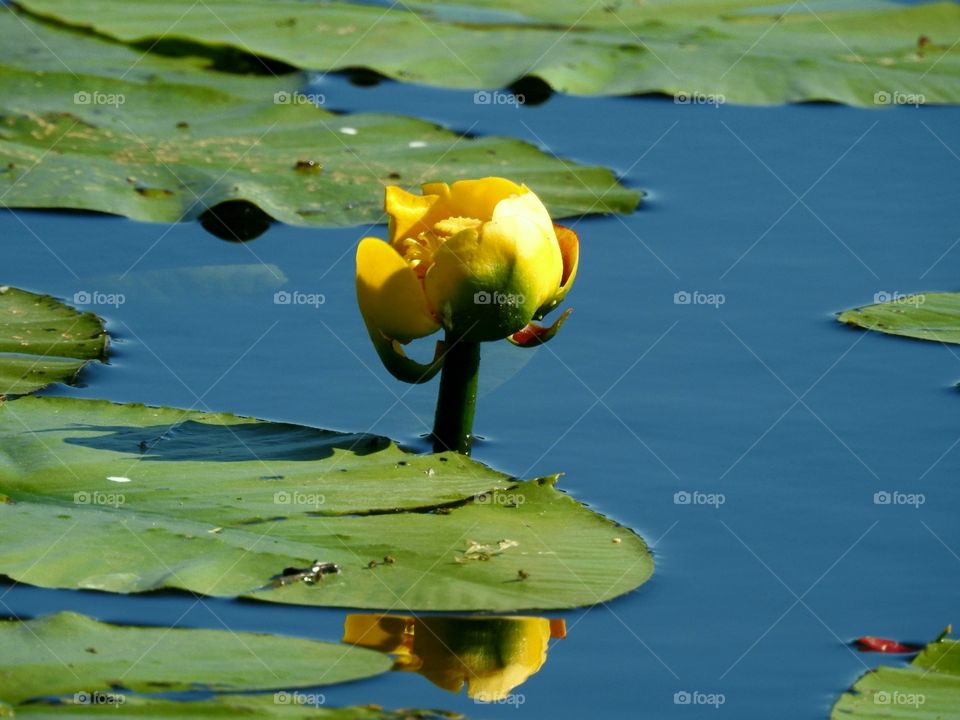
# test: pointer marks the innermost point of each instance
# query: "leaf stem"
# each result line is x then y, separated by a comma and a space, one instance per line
457, 399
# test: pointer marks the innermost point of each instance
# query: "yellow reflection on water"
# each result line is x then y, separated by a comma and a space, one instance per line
490, 655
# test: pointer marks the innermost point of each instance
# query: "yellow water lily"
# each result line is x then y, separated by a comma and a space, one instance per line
491, 656
479, 258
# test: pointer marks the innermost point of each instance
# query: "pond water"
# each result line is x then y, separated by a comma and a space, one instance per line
779, 217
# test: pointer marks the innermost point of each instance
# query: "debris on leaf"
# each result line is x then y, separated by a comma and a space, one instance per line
310, 575
479, 551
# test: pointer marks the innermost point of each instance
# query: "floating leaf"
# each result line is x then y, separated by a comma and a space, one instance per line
68, 653
166, 144
281, 705
925, 316
863, 52
43, 341
927, 689
127, 498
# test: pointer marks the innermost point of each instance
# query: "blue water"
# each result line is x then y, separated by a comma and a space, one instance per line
796, 420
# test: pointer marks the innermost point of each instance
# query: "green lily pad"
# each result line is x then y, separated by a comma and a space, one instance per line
860, 52
927, 689
147, 498
925, 316
283, 705
163, 142
69, 653
43, 341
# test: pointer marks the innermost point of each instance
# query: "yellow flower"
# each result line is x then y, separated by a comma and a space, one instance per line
479, 258
491, 656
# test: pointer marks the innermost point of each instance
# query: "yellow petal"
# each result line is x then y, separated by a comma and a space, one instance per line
412, 214
523, 222
569, 245
406, 212
470, 198
390, 294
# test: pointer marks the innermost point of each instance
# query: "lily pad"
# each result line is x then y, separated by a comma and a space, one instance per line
43, 341
860, 52
927, 689
925, 316
127, 498
163, 143
69, 653
282, 705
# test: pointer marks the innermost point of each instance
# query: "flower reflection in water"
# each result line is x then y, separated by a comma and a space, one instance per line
490, 655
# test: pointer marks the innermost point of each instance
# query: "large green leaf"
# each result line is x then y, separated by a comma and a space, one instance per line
925, 316
927, 689
127, 498
163, 141
764, 51
43, 341
69, 653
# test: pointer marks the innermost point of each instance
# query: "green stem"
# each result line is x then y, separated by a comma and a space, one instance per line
453, 422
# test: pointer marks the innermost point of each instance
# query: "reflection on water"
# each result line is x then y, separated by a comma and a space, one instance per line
491, 655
